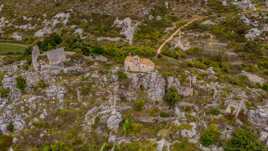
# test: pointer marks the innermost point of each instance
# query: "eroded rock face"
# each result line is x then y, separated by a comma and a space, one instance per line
153, 83
114, 121
128, 29
259, 116
182, 90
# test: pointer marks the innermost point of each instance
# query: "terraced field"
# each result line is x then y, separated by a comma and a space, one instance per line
7, 47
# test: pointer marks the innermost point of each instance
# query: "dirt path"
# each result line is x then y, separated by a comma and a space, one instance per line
178, 31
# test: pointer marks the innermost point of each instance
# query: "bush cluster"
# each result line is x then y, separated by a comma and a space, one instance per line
21, 83
118, 53
50, 42
138, 104
233, 28
210, 136
121, 75
244, 140
174, 53
4, 92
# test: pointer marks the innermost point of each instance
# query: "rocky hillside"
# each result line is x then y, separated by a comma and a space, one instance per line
70, 81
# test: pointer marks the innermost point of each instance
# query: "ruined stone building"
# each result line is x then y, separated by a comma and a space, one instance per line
137, 64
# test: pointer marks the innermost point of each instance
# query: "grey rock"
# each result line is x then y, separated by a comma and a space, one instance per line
259, 116
158, 18
78, 32
9, 82
208, 22
253, 33
151, 17
163, 144
109, 39
73, 70
35, 55
189, 133
96, 58
56, 92
253, 78
17, 36
114, 121
173, 82
33, 79
56, 56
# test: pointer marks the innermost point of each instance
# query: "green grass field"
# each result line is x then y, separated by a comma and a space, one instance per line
6, 48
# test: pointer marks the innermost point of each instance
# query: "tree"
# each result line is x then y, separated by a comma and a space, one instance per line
172, 96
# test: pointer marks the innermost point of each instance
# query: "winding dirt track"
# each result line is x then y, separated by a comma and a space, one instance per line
178, 31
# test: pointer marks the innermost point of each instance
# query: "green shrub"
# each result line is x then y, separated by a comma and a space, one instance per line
197, 64
28, 51
121, 75
217, 6
42, 84
173, 53
184, 146
215, 112
210, 136
4, 92
127, 126
244, 140
171, 96
1, 78
118, 52
46, 148
21, 83
130, 147
142, 145
60, 146
265, 86
233, 28
241, 81
10, 127
151, 31
138, 105
194, 51
197, 26
106, 147
5, 142
50, 42
98, 50
164, 114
